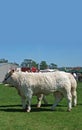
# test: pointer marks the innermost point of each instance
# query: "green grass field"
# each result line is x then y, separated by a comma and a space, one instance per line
13, 118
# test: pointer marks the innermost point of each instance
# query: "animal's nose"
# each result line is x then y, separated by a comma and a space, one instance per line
3, 81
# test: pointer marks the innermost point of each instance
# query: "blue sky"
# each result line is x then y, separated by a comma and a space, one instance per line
49, 30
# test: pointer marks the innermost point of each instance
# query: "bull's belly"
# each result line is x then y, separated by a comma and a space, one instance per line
43, 91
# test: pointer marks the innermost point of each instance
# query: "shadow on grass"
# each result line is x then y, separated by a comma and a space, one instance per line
79, 104
43, 108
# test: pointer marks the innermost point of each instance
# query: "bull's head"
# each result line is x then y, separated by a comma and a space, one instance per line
7, 76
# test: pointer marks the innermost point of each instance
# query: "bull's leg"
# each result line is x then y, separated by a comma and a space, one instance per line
29, 104
23, 100
29, 97
39, 98
74, 97
58, 97
44, 99
69, 100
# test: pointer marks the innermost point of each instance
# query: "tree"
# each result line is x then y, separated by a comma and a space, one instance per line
53, 66
34, 64
43, 65
14, 63
28, 63
3, 61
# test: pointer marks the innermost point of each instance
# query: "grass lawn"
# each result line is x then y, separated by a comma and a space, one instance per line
13, 118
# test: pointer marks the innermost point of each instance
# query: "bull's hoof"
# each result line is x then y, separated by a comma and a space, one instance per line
74, 105
27, 110
68, 110
38, 106
52, 108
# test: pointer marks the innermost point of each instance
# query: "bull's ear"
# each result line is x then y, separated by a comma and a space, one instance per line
12, 71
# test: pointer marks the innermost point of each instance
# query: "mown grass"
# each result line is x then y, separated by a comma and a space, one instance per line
13, 118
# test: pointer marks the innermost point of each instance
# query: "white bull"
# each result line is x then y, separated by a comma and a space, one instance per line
29, 84
58, 95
